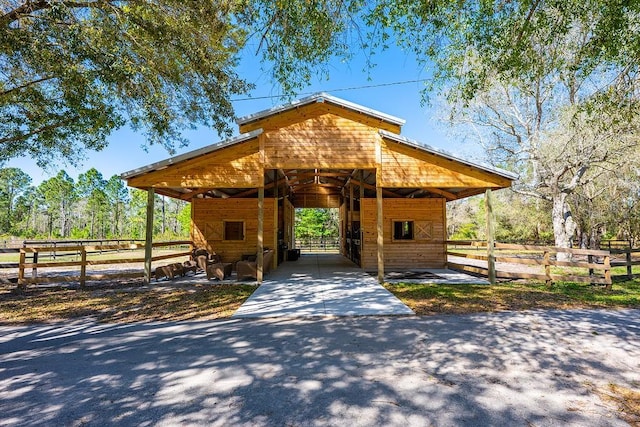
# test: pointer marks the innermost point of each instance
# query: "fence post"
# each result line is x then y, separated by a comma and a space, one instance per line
607, 270
83, 267
34, 271
629, 269
590, 261
23, 257
547, 267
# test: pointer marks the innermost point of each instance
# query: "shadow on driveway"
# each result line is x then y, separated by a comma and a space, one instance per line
528, 368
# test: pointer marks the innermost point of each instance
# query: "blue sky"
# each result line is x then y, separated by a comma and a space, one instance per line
125, 151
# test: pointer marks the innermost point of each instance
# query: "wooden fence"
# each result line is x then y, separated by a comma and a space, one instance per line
486, 261
35, 263
629, 262
318, 245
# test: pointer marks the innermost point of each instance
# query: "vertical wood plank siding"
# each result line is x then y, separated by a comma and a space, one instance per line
208, 225
327, 141
423, 253
407, 167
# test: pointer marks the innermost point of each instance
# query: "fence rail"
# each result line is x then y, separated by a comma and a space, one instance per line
318, 245
596, 262
29, 259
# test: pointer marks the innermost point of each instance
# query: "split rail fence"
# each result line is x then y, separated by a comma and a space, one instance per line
75, 255
537, 262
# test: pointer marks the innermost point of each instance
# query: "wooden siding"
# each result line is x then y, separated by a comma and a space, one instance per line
327, 141
407, 167
238, 166
208, 216
428, 250
312, 111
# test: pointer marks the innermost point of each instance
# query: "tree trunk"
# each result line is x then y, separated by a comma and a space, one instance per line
563, 225
63, 219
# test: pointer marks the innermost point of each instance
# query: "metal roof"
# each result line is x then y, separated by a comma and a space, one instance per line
191, 154
442, 153
320, 97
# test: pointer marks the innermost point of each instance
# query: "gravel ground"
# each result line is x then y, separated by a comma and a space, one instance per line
538, 368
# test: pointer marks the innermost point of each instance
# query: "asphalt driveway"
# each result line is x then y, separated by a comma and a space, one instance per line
528, 368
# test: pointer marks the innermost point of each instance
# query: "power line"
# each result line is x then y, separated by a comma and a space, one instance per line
253, 98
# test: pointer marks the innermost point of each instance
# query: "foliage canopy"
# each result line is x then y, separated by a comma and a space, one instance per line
73, 71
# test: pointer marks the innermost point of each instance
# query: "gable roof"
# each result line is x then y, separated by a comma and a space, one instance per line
191, 154
228, 168
445, 154
324, 98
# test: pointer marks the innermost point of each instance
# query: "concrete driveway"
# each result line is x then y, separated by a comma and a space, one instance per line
321, 285
537, 368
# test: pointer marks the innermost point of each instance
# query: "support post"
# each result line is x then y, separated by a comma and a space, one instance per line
629, 265
148, 238
351, 207
276, 223
260, 249
380, 233
491, 261
361, 236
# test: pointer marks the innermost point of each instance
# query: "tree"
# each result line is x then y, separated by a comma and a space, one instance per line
59, 195
316, 223
551, 87
73, 71
117, 197
13, 183
91, 188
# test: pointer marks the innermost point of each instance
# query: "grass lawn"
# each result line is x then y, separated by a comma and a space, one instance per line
122, 305
131, 304
426, 299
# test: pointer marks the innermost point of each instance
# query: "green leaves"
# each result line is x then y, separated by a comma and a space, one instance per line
72, 74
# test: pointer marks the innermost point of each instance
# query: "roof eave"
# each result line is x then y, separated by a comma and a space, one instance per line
432, 150
190, 155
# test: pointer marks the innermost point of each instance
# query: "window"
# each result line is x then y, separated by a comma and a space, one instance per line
403, 230
233, 230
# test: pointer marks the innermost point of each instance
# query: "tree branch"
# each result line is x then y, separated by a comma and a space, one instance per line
34, 6
36, 131
17, 88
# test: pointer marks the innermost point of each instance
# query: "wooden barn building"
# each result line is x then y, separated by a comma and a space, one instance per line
321, 152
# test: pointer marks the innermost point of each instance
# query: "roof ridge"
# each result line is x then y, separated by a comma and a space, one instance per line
319, 97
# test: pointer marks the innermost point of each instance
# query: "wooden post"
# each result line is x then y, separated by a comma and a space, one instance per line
34, 258
361, 236
491, 261
260, 249
546, 260
148, 241
351, 207
276, 223
380, 233
629, 266
83, 267
607, 270
23, 258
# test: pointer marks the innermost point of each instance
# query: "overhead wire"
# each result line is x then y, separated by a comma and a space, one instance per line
253, 98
